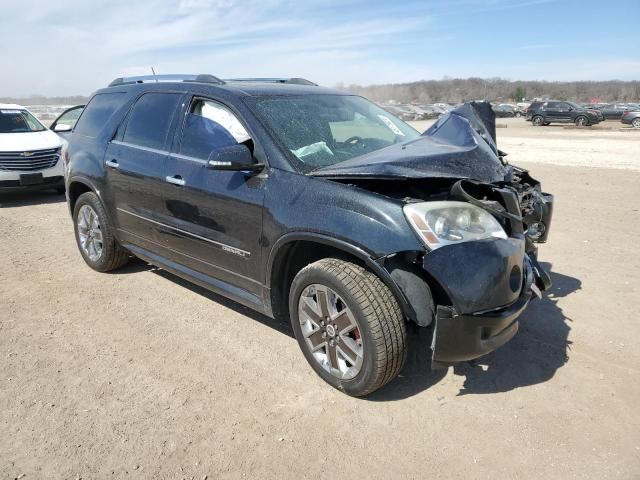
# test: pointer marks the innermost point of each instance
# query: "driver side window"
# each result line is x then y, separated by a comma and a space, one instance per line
208, 127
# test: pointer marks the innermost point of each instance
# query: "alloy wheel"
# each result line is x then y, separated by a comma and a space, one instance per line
331, 331
89, 233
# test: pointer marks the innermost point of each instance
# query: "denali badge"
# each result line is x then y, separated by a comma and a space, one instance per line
235, 251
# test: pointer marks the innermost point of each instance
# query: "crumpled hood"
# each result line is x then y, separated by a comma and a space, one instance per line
461, 144
25, 141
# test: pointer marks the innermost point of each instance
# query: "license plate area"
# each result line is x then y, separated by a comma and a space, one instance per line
31, 179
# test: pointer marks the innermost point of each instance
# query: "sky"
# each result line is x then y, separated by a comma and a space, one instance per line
69, 47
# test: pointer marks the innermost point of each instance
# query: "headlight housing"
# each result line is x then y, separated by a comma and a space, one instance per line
448, 222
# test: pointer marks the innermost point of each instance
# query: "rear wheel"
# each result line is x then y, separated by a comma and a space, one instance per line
348, 324
94, 235
636, 123
582, 121
537, 120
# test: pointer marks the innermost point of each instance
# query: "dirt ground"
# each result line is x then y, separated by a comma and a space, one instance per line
138, 374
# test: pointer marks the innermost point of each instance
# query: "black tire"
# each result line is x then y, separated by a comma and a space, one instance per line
582, 121
377, 313
635, 123
113, 255
537, 120
518, 114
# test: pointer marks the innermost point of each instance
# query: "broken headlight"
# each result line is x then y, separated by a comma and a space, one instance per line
445, 223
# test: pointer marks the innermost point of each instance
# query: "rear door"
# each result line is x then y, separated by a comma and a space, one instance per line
135, 163
213, 217
566, 112
552, 112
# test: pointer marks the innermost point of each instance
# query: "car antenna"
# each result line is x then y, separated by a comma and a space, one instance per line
154, 74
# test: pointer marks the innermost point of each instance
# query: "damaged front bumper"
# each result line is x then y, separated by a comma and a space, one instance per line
462, 337
489, 284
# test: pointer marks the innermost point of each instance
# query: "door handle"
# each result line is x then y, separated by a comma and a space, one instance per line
175, 180
112, 163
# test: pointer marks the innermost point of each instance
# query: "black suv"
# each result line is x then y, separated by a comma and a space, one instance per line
553, 111
315, 205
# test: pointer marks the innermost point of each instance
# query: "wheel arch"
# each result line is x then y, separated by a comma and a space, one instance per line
294, 251
76, 187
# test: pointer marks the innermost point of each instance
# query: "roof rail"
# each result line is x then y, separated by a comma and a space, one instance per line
295, 81
201, 78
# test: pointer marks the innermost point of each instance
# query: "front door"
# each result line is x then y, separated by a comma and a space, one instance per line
214, 216
134, 165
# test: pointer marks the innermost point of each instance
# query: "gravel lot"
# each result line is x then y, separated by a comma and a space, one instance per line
139, 374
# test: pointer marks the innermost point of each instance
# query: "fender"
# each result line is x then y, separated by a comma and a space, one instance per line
375, 265
91, 186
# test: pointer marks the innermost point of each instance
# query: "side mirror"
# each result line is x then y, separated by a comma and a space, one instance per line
62, 127
235, 158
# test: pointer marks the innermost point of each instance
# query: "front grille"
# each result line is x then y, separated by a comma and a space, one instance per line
28, 161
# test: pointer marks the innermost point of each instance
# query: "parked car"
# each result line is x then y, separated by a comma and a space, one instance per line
402, 112
614, 111
315, 205
29, 152
553, 111
504, 110
428, 112
631, 118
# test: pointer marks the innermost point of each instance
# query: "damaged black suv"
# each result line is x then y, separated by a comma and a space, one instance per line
315, 205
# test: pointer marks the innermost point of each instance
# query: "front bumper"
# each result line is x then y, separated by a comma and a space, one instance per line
489, 285
458, 338
51, 177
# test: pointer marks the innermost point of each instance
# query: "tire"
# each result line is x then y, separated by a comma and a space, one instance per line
582, 121
518, 115
112, 255
635, 123
379, 334
537, 120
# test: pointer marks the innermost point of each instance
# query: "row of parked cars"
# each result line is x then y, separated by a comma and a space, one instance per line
538, 112
541, 113
411, 112
302, 203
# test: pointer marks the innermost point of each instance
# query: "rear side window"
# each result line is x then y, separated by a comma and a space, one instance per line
97, 113
150, 118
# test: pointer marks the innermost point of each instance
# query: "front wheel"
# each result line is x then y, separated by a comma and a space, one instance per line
348, 324
94, 235
582, 122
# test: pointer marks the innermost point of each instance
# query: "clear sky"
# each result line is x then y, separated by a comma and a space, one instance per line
65, 47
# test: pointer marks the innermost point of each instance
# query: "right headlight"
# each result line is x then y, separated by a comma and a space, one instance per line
448, 222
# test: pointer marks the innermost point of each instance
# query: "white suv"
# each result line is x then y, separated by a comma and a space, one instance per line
30, 153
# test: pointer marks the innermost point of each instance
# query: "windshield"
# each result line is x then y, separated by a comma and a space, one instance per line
322, 130
18, 121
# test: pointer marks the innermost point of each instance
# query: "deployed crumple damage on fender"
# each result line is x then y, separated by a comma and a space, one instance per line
461, 144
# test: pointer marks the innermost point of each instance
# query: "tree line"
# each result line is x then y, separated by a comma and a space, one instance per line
458, 90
